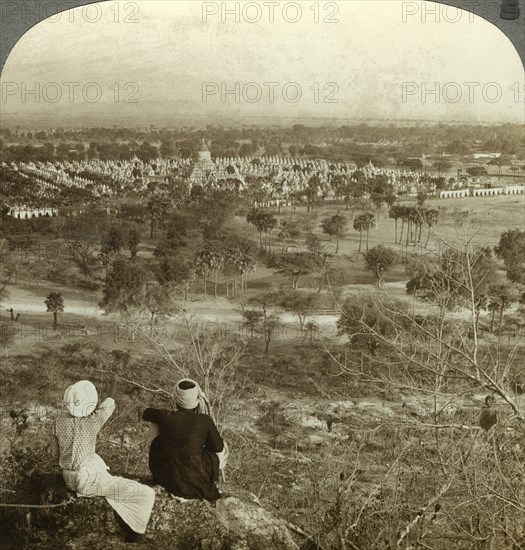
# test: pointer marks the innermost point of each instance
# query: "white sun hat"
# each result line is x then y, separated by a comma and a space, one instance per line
81, 398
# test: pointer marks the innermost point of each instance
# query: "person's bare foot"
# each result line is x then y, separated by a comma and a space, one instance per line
179, 499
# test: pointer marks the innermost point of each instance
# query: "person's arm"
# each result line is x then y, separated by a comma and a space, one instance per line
104, 411
214, 442
107, 407
153, 415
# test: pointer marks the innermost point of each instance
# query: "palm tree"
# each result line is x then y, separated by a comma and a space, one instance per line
370, 221
412, 217
242, 264
395, 213
216, 263
359, 225
245, 264
201, 267
364, 222
55, 304
403, 214
335, 225
430, 218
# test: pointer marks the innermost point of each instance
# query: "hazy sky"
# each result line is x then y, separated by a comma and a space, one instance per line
160, 54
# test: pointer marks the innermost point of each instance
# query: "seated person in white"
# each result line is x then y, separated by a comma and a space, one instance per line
85, 472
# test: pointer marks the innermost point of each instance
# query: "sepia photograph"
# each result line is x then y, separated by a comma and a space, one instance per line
262, 276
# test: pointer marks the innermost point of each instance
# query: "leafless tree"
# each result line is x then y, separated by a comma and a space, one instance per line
448, 480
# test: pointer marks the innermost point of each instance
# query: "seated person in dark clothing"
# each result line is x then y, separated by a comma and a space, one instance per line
182, 458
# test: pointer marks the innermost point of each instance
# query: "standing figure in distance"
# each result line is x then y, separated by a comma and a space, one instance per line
83, 469
183, 457
488, 417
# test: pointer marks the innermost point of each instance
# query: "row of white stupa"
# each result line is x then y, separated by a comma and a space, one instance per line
280, 169
124, 169
164, 166
293, 180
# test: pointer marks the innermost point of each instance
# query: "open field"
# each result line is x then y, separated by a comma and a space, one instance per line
488, 218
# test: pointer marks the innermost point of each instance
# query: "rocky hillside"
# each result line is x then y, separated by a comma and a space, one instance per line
236, 522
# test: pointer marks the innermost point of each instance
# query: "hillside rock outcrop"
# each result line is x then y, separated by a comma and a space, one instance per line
235, 522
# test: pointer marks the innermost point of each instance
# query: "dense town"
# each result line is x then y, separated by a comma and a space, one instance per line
37, 187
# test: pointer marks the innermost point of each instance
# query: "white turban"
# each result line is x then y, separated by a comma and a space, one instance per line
189, 395
81, 398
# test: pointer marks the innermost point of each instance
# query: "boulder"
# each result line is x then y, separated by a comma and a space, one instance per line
235, 522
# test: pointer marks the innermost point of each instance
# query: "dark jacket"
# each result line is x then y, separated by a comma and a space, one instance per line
182, 457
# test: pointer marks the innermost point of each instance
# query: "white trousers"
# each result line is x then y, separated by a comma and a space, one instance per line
131, 500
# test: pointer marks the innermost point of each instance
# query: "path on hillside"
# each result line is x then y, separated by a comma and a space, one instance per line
23, 300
